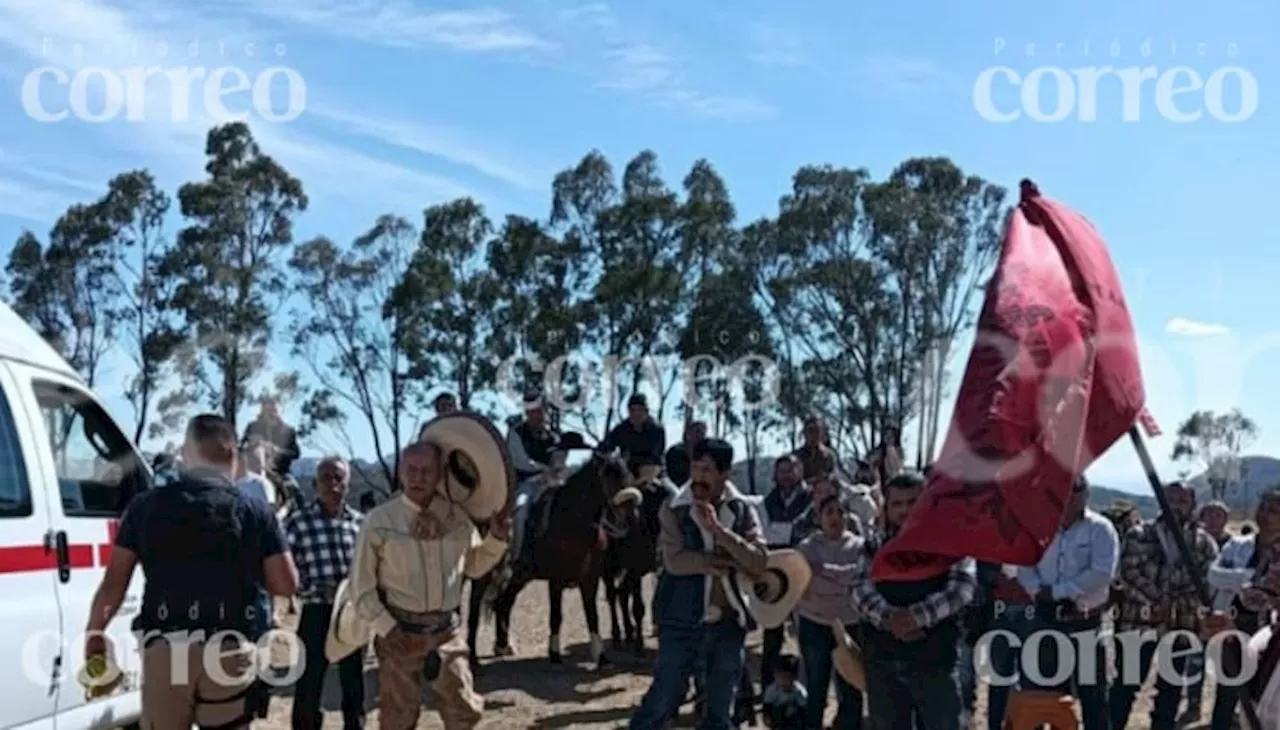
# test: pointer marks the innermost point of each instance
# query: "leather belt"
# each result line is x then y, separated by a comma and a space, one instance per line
428, 622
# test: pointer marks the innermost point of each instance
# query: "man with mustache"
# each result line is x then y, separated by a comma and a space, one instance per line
912, 632
1245, 580
708, 530
1160, 595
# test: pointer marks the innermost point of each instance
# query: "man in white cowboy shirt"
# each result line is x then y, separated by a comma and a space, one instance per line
407, 582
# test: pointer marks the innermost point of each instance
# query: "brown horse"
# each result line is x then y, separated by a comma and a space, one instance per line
565, 545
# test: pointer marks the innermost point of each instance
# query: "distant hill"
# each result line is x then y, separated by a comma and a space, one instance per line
1259, 474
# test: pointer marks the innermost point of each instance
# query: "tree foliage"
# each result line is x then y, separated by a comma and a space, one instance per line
1215, 441
846, 301
227, 265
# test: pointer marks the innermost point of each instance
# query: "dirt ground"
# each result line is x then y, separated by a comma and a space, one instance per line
527, 692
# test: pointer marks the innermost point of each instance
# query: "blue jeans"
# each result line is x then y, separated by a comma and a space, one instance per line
897, 690
681, 651
816, 644
526, 491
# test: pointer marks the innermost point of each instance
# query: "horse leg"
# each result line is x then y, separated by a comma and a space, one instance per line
555, 592
637, 614
624, 599
612, 597
502, 608
587, 590
475, 604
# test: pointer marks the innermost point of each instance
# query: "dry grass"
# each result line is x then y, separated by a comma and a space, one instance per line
527, 692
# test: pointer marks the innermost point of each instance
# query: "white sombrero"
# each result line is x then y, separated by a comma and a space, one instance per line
628, 495
649, 474
771, 597
478, 471
847, 658
347, 633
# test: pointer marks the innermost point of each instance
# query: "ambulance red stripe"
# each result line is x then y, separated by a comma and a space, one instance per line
37, 558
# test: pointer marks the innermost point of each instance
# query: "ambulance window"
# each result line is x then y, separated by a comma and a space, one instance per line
98, 470
15, 490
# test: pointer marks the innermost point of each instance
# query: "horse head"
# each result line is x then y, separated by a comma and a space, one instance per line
610, 471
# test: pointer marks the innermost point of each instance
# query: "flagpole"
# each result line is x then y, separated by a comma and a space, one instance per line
1232, 660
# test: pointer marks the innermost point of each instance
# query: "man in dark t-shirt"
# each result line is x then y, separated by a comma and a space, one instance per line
207, 551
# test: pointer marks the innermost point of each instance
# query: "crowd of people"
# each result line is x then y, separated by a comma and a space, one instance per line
214, 551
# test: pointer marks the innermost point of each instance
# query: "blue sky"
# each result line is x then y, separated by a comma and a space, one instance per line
410, 104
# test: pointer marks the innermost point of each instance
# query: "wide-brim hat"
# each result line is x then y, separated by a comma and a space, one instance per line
628, 495
648, 474
347, 634
478, 475
846, 657
773, 595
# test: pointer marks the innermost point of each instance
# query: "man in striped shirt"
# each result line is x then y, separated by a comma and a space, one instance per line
322, 537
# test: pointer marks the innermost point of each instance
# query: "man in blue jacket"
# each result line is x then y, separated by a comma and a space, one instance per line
708, 530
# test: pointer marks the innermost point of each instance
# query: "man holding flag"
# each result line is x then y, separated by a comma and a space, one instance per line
912, 633
1052, 382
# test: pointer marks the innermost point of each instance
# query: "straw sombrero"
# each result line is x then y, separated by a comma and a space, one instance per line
347, 633
478, 471
847, 658
774, 595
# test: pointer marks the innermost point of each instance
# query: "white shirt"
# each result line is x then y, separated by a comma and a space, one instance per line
1080, 563
257, 486
1230, 572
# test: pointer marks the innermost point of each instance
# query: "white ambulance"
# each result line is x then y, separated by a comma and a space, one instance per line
66, 473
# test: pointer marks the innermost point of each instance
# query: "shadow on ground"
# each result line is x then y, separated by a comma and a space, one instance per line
532, 676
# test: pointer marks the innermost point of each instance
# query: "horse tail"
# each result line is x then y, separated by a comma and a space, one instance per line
496, 582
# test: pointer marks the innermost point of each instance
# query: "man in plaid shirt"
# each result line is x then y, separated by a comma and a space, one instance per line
1160, 596
912, 632
322, 537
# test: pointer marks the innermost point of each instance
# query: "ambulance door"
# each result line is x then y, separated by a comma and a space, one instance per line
98, 472
30, 632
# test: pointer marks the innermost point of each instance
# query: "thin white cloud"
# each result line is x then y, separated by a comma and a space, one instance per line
903, 74
771, 45
620, 60
435, 141
50, 32
22, 200
1182, 327
399, 23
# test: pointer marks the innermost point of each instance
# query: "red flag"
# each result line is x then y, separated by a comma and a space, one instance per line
1053, 381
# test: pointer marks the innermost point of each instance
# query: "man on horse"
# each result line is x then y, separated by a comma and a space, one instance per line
533, 445
639, 437
281, 438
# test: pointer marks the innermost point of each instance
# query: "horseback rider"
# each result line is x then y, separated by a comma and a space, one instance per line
533, 446
640, 438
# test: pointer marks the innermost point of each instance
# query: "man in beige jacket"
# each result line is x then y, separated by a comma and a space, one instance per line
407, 583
